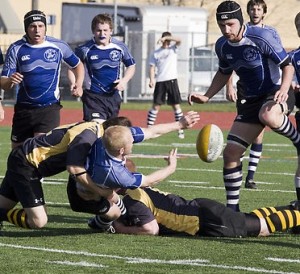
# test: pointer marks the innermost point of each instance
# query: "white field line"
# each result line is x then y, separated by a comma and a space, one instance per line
81, 263
134, 260
283, 260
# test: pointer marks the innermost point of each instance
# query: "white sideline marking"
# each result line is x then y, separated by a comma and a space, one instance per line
76, 264
197, 262
187, 182
283, 260
222, 188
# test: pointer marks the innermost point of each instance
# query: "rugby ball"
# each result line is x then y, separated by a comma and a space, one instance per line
209, 143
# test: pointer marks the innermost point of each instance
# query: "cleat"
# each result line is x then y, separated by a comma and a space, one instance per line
92, 223
250, 184
180, 134
295, 205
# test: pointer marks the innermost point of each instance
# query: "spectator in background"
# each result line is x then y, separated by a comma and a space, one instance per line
34, 63
164, 60
265, 98
103, 56
257, 10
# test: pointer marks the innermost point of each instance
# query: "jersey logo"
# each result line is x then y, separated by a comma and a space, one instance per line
250, 54
94, 57
114, 55
229, 56
25, 57
50, 55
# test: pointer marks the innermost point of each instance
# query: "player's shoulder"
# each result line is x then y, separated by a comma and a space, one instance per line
255, 32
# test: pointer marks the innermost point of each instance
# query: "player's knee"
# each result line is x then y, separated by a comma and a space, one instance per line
38, 222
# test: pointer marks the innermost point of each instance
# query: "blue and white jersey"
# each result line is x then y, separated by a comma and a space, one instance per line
103, 64
107, 171
255, 59
40, 65
295, 57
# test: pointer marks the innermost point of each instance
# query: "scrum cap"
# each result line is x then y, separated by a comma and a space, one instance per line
229, 10
34, 16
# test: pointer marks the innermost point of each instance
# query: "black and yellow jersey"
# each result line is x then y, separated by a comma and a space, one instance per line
66, 145
173, 213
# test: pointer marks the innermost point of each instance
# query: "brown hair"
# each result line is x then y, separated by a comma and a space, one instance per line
102, 19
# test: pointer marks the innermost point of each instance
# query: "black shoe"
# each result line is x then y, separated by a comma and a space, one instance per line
250, 184
92, 223
295, 205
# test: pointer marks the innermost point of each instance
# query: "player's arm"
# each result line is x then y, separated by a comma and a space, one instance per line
287, 76
151, 76
76, 76
161, 174
8, 83
187, 121
219, 81
1, 111
231, 94
150, 228
81, 176
129, 72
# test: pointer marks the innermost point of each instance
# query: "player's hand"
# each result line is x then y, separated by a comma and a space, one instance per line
189, 120
231, 95
76, 90
281, 96
197, 98
16, 78
172, 158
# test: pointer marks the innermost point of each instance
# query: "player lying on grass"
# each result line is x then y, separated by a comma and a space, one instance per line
65, 147
153, 212
106, 168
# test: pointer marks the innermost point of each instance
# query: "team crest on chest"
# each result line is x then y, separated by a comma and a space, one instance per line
50, 55
114, 55
250, 54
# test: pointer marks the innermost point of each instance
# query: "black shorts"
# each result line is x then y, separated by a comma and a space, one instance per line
22, 181
167, 90
217, 220
100, 106
27, 121
248, 108
88, 206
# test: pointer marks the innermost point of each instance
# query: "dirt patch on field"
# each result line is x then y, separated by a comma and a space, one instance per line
139, 117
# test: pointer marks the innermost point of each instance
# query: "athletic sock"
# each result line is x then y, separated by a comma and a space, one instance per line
267, 211
178, 114
233, 180
283, 220
17, 217
288, 130
254, 157
102, 222
151, 118
122, 207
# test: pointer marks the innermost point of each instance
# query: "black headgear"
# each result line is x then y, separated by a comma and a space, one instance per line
229, 10
34, 16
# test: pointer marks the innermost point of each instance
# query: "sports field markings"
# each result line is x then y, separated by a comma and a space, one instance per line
135, 260
283, 260
84, 264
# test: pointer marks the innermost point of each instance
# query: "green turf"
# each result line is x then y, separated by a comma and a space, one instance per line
67, 245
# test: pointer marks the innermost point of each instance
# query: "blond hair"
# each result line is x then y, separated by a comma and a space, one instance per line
115, 138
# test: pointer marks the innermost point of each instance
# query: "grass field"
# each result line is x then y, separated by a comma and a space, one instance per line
67, 245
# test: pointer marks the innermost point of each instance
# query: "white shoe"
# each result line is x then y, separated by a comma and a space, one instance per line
180, 134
